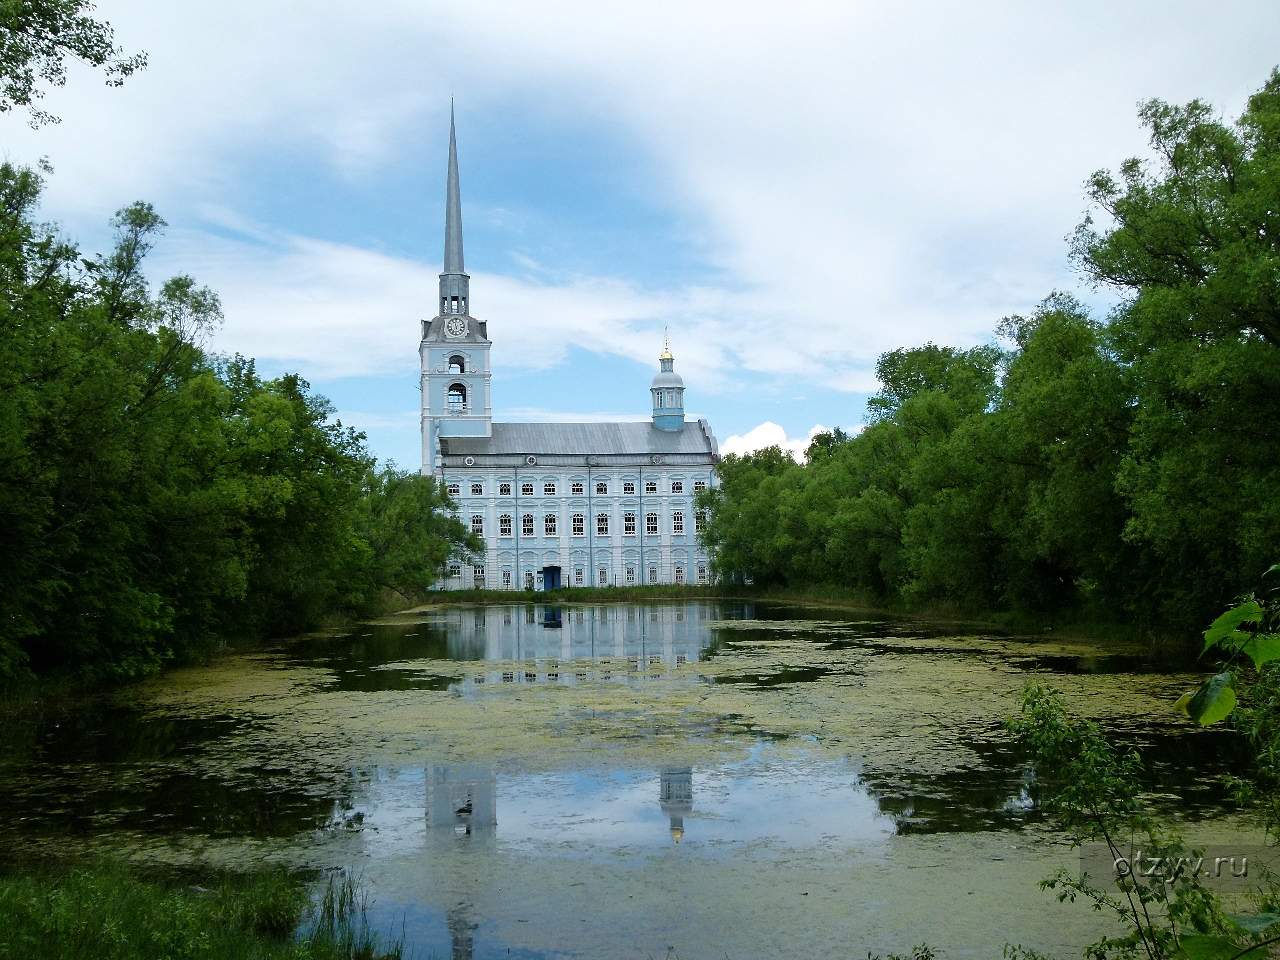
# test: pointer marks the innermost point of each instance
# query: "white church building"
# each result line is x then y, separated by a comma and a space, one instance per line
557, 504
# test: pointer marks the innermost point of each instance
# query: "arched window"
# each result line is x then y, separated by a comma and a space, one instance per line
457, 364
457, 399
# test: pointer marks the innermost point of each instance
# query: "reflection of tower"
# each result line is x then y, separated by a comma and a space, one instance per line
462, 797
675, 796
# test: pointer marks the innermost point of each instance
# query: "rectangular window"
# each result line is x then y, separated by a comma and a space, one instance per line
548, 489
526, 489
603, 576
602, 488
455, 569
477, 524
679, 574
651, 486
677, 522
579, 525
702, 573
477, 489
504, 489
651, 524
677, 486
699, 520
549, 525
629, 524
506, 579
477, 577
631, 575
526, 525
504, 525
602, 524
653, 574
699, 486
629, 488
576, 488
578, 575
454, 489
528, 585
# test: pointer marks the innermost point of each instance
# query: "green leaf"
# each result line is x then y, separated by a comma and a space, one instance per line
1214, 701
1262, 648
1204, 947
1254, 922
1183, 701
1226, 627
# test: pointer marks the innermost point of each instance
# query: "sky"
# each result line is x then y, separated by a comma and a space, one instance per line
789, 190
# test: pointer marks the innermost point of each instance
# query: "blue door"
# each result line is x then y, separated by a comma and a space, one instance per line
550, 578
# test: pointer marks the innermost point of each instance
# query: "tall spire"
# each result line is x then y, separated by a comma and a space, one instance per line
454, 284
453, 208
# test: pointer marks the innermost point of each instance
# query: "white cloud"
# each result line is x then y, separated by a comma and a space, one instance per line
862, 176
770, 434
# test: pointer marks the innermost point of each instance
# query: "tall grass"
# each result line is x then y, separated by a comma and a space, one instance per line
112, 911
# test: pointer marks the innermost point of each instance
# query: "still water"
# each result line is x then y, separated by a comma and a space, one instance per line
693, 779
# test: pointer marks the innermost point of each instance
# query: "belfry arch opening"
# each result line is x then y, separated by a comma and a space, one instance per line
457, 364
457, 398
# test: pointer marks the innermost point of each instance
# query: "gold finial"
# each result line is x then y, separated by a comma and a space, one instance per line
666, 345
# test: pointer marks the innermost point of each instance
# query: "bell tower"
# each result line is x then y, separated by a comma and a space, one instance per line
454, 353
667, 390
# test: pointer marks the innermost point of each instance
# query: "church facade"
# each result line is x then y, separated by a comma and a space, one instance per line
557, 504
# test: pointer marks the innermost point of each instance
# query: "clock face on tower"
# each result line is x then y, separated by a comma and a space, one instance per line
455, 327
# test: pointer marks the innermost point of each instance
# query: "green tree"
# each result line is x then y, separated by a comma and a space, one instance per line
38, 37
1191, 240
154, 499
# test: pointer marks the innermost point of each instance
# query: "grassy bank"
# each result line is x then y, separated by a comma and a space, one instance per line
113, 911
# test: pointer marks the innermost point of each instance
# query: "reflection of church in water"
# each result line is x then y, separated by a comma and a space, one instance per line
462, 800
571, 644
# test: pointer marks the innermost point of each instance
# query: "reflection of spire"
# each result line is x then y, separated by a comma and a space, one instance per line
675, 796
462, 942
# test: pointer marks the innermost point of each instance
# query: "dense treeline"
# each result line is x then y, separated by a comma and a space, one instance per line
155, 497
1121, 469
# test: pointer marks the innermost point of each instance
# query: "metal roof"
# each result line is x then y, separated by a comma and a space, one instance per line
584, 439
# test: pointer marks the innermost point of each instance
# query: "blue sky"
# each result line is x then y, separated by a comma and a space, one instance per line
791, 191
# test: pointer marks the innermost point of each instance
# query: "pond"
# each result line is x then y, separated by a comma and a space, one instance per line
701, 779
